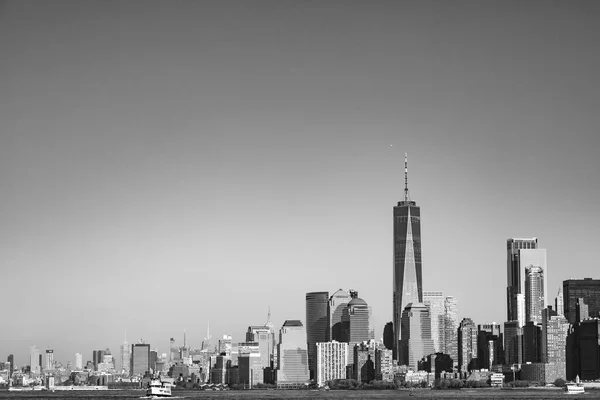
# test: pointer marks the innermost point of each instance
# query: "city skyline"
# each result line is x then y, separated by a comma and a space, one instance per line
129, 149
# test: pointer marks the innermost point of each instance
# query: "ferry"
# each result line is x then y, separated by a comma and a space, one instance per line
157, 388
574, 387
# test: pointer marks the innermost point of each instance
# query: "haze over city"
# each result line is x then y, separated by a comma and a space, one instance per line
203, 161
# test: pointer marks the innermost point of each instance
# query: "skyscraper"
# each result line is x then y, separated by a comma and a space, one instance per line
49, 364
357, 319
338, 303
534, 294
450, 328
125, 358
407, 279
78, 361
489, 345
292, 354
588, 289
435, 302
317, 325
416, 340
467, 343
520, 253
513, 343
34, 360
140, 359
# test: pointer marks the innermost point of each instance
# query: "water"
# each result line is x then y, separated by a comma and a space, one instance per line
310, 394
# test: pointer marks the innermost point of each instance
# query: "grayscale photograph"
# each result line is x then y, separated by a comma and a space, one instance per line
298, 199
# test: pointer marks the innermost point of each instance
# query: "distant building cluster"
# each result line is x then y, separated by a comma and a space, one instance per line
539, 341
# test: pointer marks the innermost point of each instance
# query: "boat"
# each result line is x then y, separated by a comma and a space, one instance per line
574, 387
157, 388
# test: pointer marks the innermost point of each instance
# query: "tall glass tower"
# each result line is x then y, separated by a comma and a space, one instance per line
408, 279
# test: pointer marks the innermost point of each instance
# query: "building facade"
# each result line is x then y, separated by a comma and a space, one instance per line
338, 306
521, 252
140, 359
292, 355
435, 302
467, 344
317, 325
407, 277
332, 359
451, 328
416, 341
534, 294
587, 289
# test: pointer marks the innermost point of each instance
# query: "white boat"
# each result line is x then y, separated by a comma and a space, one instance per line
159, 389
574, 387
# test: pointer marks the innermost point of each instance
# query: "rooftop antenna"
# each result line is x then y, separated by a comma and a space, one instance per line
406, 197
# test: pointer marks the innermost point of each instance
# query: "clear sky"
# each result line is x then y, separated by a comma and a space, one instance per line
167, 163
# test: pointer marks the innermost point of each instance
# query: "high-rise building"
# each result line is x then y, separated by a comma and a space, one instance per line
522, 253
78, 361
173, 351
11, 360
357, 319
125, 358
317, 325
534, 294
265, 337
467, 343
34, 360
388, 335
582, 310
532, 342
407, 278
450, 328
332, 359
490, 349
225, 345
140, 359
513, 343
249, 363
437, 311
292, 355
583, 350
588, 289
49, 364
559, 304
555, 329
416, 341
338, 306
363, 369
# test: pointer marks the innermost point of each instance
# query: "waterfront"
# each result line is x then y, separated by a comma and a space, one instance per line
309, 394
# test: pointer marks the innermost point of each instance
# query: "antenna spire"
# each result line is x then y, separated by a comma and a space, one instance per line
406, 197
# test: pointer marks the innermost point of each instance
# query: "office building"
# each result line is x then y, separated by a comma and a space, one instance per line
388, 335
555, 329
125, 358
49, 364
416, 341
11, 360
338, 306
357, 319
332, 359
583, 350
35, 363
317, 325
534, 294
249, 364
78, 361
173, 351
490, 349
522, 253
435, 301
225, 344
265, 337
467, 344
407, 277
513, 343
140, 359
582, 310
587, 289
532, 342
450, 328
292, 355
